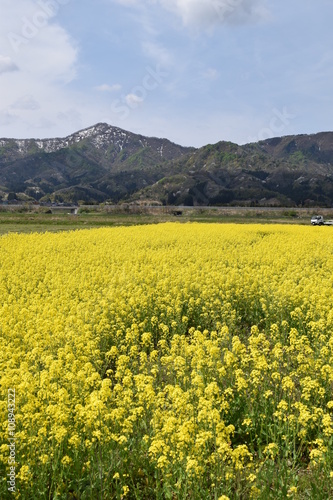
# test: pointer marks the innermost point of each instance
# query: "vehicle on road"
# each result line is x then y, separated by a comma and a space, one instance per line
318, 220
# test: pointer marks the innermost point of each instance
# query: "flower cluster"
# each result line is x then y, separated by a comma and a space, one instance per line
168, 361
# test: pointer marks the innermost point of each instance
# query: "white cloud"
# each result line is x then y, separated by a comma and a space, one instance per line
208, 13
108, 88
133, 100
44, 57
7, 65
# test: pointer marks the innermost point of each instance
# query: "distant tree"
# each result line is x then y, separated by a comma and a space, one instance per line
188, 200
171, 199
12, 196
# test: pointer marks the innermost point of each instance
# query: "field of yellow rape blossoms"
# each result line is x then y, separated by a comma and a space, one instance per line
174, 361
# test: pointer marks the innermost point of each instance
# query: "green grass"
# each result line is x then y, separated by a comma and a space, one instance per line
27, 223
18, 221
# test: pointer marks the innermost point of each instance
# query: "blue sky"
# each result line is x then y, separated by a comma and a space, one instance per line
194, 71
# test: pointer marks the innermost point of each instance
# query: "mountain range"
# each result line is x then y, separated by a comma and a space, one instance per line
107, 164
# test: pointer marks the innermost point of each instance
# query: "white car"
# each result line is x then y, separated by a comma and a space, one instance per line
317, 220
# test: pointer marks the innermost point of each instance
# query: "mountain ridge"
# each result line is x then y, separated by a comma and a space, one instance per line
106, 163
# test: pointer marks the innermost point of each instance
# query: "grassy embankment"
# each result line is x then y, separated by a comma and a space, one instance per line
37, 219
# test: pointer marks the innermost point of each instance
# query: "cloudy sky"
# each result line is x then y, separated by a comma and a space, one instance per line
194, 71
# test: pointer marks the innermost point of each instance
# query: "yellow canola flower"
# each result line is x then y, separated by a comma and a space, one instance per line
292, 491
175, 348
66, 460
